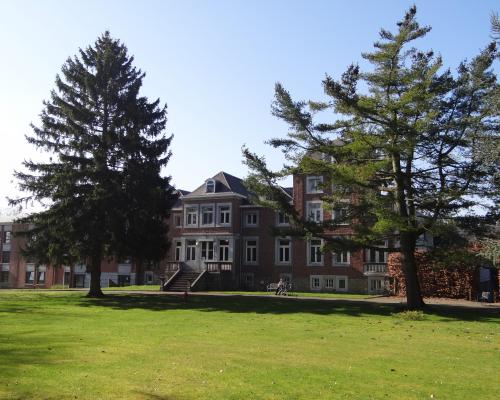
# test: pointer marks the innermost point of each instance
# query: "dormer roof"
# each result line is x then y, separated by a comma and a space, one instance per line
224, 184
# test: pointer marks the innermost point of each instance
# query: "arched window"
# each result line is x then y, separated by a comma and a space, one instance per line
210, 186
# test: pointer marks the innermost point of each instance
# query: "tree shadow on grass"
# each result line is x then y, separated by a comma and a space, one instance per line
279, 306
28, 348
154, 396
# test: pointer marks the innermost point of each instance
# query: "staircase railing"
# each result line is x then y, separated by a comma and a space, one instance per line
195, 282
172, 266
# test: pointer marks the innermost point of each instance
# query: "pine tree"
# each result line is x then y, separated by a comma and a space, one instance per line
406, 146
150, 198
102, 187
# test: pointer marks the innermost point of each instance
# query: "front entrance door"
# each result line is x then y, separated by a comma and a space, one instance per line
191, 254
376, 285
207, 252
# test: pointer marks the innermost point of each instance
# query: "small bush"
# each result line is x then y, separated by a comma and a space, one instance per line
410, 315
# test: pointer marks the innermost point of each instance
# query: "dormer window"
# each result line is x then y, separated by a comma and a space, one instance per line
210, 186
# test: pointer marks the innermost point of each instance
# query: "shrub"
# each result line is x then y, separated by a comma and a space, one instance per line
410, 315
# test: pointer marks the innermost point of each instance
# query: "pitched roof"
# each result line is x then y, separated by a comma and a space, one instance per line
288, 190
182, 193
224, 183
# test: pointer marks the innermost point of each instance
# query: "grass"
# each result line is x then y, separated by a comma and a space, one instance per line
62, 345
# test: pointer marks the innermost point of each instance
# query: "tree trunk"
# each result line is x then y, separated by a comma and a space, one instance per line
95, 278
414, 299
139, 272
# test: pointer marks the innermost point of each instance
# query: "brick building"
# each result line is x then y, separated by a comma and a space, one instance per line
221, 240
15, 270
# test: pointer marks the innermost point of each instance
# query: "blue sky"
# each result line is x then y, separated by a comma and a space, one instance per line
214, 63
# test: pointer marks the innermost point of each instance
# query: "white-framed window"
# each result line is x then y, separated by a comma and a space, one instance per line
190, 250
207, 215
342, 257
223, 250
341, 283
282, 219
30, 274
313, 184
191, 219
377, 285
178, 250
376, 256
314, 211
210, 186
329, 282
283, 250
339, 216
41, 274
207, 250
315, 256
224, 214
251, 218
7, 237
251, 250
315, 282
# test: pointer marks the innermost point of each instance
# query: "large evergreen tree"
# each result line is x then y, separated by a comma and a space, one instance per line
102, 188
405, 145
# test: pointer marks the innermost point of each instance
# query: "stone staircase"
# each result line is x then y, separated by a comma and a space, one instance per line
182, 281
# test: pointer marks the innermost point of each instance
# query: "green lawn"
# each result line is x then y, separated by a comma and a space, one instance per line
61, 345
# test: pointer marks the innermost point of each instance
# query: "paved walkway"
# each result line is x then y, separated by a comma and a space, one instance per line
376, 299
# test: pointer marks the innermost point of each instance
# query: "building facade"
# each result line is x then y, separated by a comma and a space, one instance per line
217, 226
220, 239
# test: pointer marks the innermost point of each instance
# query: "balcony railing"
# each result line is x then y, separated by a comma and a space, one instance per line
375, 268
172, 266
218, 266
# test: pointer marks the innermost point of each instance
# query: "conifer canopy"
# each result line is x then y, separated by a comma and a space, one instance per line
403, 150
103, 188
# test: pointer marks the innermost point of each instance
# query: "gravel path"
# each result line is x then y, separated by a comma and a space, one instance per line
376, 299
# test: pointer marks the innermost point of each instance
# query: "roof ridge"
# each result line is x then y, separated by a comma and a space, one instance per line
225, 179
